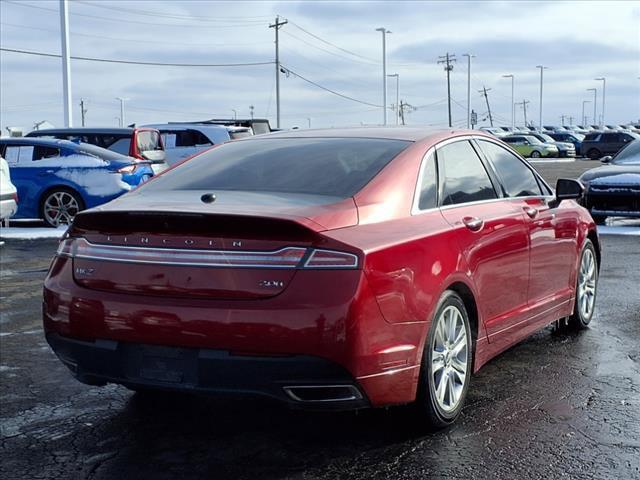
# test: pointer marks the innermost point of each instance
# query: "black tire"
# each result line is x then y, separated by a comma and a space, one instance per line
427, 404
535, 154
599, 219
594, 154
581, 318
67, 216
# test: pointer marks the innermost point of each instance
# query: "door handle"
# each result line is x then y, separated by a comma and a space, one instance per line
532, 212
473, 223
46, 172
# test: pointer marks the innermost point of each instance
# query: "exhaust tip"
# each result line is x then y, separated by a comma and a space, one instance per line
323, 393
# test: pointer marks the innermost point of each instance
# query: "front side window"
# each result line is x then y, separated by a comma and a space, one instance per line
337, 167
518, 180
464, 175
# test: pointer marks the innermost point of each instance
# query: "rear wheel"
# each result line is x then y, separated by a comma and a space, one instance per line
586, 286
594, 154
60, 206
535, 154
446, 363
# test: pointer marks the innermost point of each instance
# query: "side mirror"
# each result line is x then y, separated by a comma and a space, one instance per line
154, 156
567, 189
606, 159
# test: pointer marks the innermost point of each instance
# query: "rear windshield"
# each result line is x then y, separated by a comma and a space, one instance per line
102, 153
337, 167
148, 140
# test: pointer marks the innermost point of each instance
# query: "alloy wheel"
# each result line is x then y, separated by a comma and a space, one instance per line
60, 208
587, 284
449, 365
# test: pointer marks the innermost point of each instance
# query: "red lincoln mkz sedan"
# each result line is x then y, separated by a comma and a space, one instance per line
332, 268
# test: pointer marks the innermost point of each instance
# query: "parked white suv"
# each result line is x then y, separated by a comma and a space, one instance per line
8, 193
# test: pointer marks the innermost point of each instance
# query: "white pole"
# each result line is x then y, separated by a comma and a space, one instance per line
384, 32
513, 105
397, 99
542, 69
122, 120
66, 63
604, 86
469, 57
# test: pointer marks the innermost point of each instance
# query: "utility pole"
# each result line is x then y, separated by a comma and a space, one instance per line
524, 106
384, 32
397, 109
486, 97
604, 86
562, 120
595, 101
83, 110
447, 60
404, 106
513, 105
66, 63
251, 108
542, 69
570, 120
584, 118
277, 26
122, 100
469, 57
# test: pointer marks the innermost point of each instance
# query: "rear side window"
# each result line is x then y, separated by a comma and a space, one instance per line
428, 184
518, 180
592, 137
611, 137
42, 153
465, 178
337, 167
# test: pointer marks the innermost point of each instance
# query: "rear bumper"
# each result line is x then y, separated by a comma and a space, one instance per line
300, 381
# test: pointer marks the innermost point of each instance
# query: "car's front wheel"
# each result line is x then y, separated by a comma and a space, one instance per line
446, 363
60, 206
535, 154
586, 286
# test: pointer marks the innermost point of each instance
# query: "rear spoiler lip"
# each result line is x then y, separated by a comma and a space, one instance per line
303, 221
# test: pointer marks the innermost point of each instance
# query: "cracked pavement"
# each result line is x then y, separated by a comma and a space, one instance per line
557, 405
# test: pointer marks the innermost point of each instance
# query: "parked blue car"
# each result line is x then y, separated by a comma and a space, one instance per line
57, 178
569, 137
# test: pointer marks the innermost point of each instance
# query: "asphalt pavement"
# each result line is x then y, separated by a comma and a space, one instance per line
558, 405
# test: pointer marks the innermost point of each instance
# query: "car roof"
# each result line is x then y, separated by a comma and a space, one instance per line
46, 142
185, 126
81, 130
413, 133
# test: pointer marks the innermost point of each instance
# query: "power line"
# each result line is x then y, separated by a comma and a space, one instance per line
136, 22
332, 44
325, 50
132, 40
131, 62
347, 97
147, 13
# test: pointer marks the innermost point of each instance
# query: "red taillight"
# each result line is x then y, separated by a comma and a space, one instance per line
15, 197
331, 259
288, 257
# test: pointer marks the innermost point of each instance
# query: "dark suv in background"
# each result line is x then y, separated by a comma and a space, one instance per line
598, 144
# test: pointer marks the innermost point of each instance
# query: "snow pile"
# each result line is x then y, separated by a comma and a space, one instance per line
20, 233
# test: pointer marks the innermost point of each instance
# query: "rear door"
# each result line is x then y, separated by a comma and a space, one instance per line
491, 232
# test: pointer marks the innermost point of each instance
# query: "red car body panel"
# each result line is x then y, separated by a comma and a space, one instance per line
372, 320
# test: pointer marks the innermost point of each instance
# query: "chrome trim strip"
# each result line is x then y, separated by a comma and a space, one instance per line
354, 265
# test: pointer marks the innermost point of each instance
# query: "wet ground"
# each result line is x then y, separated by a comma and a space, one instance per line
558, 405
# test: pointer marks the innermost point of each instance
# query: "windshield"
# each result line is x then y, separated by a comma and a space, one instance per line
545, 138
337, 167
629, 155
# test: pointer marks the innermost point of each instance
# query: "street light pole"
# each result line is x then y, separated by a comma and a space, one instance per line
397, 109
122, 100
513, 105
469, 57
384, 32
595, 102
542, 69
66, 63
604, 86
584, 119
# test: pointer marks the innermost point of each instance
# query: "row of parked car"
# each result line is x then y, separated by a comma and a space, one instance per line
557, 141
59, 172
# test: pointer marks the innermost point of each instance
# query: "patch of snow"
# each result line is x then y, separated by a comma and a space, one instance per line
17, 233
96, 182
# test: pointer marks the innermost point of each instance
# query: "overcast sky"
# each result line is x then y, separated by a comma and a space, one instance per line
333, 44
